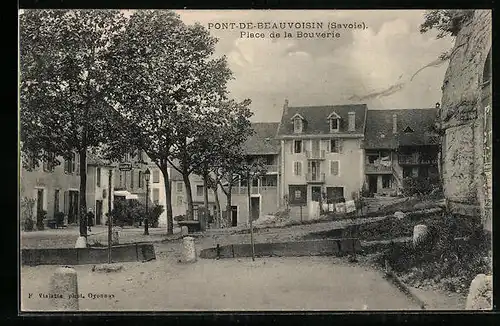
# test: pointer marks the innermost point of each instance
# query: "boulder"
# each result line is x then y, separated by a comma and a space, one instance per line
81, 242
399, 215
420, 235
480, 293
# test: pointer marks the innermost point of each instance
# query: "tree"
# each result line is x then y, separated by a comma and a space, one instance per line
166, 85
447, 22
220, 149
64, 70
251, 168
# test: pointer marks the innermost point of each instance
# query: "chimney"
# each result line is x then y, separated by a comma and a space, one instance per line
352, 121
394, 124
438, 105
285, 107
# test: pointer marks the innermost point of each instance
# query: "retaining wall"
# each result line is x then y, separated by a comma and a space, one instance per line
323, 247
80, 256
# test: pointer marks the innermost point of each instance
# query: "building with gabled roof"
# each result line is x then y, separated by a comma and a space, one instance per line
321, 154
399, 143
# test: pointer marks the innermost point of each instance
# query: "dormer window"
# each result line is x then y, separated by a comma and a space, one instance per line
408, 130
334, 122
334, 125
298, 123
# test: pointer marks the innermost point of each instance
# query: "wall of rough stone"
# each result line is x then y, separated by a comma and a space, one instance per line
462, 117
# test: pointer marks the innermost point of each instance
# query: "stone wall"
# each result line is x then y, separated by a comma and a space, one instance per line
462, 117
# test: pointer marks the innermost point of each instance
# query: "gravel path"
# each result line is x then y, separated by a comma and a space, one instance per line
306, 283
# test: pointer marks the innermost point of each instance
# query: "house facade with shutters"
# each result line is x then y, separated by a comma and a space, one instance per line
399, 143
321, 153
56, 188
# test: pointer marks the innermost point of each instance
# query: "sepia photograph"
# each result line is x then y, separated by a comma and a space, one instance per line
254, 160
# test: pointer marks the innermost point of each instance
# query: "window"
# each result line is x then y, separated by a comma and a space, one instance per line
156, 196
98, 177
372, 158
387, 181
48, 164
140, 179
334, 168
125, 173
243, 182
131, 179
297, 194
56, 201
334, 125
407, 172
121, 178
334, 145
179, 200
297, 125
297, 146
255, 182
179, 187
156, 176
297, 168
199, 190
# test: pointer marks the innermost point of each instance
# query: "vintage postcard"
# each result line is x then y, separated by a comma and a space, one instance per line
255, 160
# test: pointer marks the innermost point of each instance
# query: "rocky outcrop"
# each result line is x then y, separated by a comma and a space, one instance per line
466, 97
480, 293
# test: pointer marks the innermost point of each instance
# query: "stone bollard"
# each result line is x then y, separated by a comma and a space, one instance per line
64, 289
480, 293
420, 233
81, 242
184, 230
188, 250
115, 238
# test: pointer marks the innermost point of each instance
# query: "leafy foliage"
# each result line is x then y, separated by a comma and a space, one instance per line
447, 22
130, 212
64, 79
422, 186
27, 207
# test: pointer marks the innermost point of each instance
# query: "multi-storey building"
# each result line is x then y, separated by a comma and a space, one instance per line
399, 144
321, 153
56, 188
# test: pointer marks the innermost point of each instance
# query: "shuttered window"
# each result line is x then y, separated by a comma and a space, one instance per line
156, 176
156, 196
297, 168
334, 168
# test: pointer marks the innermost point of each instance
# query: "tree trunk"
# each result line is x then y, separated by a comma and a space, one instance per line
205, 193
228, 205
168, 200
217, 207
83, 192
189, 197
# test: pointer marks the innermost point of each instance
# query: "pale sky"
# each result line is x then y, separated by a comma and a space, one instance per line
329, 71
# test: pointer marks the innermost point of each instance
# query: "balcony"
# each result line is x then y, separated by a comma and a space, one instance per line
271, 169
253, 191
315, 155
415, 160
315, 177
372, 168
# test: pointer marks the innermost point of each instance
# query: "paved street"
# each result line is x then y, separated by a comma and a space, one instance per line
305, 283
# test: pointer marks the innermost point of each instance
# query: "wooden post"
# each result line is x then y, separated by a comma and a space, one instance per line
300, 212
110, 219
250, 217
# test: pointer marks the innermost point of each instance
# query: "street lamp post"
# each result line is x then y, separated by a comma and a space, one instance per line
147, 175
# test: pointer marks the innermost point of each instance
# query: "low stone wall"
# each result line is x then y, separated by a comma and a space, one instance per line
80, 256
324, 247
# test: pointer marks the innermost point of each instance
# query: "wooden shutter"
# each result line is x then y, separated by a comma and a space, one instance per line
309, 167
66, 202
302, 146
340, 145
334, 167
292, 144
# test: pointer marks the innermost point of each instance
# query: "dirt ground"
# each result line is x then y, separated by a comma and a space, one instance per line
306, 283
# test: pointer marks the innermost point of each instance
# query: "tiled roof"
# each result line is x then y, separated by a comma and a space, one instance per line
316, 119
263, 141
379, 135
